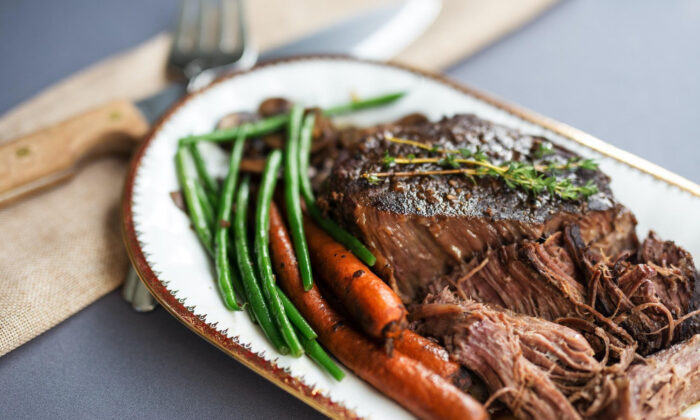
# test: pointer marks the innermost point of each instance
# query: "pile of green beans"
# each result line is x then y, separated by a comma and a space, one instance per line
284, 326
222, 227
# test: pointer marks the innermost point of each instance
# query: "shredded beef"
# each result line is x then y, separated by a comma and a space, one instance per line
539, 369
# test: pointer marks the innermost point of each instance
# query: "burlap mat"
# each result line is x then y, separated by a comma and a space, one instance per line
61, 250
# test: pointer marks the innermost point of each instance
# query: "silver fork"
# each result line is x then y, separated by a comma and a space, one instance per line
210, 40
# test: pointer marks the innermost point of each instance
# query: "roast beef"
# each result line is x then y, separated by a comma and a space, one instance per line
546, 280
541, 256
543, 370
539, 369
662, 387
649, 293
421, 228
528, 277
551, 302
675, 273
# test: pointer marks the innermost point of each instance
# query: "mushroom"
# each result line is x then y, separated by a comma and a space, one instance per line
274, 106
235, 119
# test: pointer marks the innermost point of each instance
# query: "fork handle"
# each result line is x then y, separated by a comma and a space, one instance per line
41, 158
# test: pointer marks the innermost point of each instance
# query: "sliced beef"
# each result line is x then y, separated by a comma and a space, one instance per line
539, 369
531, 278
421, 228
662, 387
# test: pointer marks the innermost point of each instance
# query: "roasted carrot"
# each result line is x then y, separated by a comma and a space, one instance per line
408, 382
370, 301
429, 353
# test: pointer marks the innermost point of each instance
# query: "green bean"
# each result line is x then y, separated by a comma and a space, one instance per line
262, 252
194, 205
318, 355
307, 130
211, 188
245, 265
223, 270
296, 317
291, 194
237, 284
363, 104
328, 225
255, 129
207, 180
207, 208
213, 198
221, 236
272, 124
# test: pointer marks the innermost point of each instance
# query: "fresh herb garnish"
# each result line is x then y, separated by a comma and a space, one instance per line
543, 149
372, 178
534, 179
388, 160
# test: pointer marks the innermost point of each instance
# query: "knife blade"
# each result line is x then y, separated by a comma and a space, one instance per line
378, 34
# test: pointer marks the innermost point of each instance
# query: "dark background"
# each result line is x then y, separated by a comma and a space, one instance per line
625, 71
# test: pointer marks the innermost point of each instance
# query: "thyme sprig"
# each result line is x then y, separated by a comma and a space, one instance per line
455, 162
531, 178
544, 149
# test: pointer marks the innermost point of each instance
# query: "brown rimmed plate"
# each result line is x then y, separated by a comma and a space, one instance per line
175, 268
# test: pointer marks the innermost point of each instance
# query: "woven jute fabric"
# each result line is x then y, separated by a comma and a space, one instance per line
61, 250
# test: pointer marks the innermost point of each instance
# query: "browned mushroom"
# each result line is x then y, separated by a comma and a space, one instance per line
274, 106
236, 118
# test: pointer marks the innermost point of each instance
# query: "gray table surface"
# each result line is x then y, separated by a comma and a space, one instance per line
625, 71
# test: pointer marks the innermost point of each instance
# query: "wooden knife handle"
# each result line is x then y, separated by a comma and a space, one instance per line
44, 157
